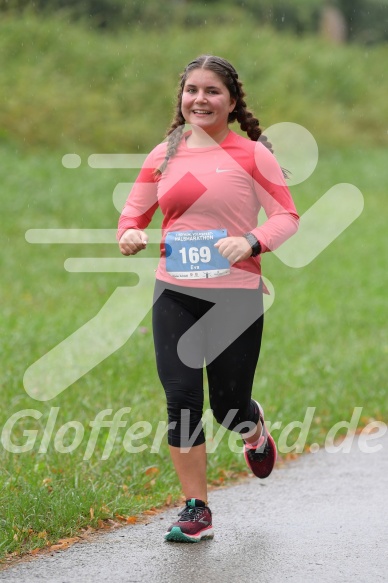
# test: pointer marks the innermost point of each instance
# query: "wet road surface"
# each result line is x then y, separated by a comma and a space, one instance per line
322, 518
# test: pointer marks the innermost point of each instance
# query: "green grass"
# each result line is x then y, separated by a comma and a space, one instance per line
325, 340
67, 87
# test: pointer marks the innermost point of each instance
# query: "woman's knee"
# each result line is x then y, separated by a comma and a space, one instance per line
234, 419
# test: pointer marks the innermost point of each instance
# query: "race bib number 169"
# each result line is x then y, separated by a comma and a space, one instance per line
192, 255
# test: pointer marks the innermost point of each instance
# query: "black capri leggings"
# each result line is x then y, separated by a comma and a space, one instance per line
217, 328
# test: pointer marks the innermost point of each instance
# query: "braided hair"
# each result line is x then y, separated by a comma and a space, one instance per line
241, 114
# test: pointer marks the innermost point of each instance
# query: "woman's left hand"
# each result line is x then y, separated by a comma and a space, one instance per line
234, 249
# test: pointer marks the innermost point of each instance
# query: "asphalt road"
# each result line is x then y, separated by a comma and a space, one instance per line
321, 518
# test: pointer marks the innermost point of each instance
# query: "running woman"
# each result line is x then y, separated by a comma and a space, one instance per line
210, 184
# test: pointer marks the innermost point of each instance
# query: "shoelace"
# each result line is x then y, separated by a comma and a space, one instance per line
259, 456
191, 514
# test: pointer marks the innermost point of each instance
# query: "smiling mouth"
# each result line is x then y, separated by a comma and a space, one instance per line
202, 112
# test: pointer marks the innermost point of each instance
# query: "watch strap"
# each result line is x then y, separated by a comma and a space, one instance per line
254, 243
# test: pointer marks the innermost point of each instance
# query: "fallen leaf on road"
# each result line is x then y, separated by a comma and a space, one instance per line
68, 541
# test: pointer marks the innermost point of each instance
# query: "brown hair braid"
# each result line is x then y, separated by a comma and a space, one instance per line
229, 77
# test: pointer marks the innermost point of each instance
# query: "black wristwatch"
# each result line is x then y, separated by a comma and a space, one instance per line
254, 243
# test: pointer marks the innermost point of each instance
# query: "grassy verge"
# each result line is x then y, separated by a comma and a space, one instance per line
325, 346
68, 87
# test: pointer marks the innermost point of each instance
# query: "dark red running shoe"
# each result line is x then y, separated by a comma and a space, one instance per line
194, 523
261, 458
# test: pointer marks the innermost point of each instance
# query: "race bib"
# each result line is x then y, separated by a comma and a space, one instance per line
192, 255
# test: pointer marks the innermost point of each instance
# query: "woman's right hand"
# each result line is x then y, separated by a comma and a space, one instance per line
133, 241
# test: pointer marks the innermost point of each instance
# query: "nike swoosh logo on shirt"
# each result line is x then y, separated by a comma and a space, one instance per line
221, 170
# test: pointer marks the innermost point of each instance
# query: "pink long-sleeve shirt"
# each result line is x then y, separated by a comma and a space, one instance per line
221, 186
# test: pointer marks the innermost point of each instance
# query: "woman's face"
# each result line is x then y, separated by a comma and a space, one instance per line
206, 102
